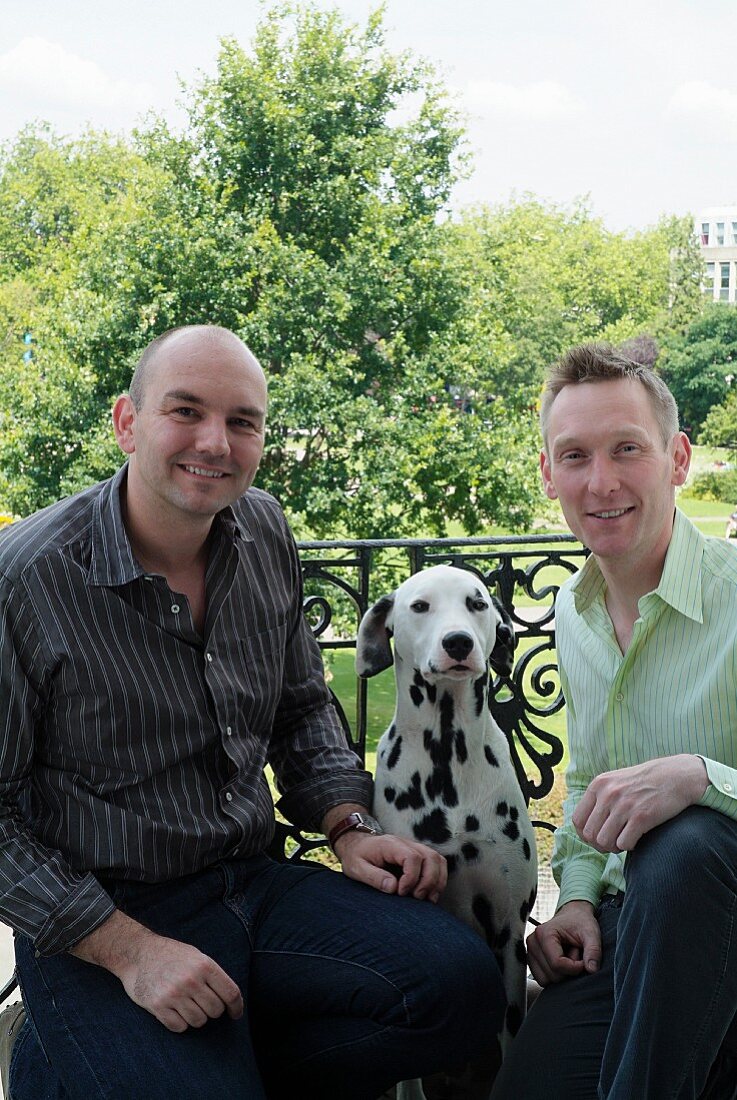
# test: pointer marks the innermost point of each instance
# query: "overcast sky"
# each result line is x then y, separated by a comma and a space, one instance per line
632, 102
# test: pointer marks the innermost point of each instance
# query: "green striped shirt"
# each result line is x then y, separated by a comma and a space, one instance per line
673, 691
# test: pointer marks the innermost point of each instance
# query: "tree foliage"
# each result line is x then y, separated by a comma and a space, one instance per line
305, 206
700, 364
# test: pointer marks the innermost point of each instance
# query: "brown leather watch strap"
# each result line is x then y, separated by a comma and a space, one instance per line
362, 823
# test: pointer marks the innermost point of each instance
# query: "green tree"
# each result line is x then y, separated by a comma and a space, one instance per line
720, 426
550, 276
699, 364
304, 208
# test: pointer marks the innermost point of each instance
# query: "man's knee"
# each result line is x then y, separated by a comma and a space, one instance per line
689, 852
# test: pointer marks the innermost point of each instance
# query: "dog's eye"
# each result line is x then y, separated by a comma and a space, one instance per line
480, 605
420, 606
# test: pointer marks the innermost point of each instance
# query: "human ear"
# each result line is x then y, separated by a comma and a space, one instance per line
124, 415
681, 458
547, 476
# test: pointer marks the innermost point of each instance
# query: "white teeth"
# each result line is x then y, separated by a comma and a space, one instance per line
203, 473
610, 515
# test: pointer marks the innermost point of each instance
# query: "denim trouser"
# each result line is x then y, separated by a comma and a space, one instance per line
346, 991
651, 1023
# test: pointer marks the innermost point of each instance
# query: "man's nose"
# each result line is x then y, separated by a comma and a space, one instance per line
603, 475
212, 437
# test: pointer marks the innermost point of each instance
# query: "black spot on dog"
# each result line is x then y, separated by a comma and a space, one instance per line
480, 688
472, 823
412, 797
432, 692
513, 813
511, 829
452, 862
482, 912
461, 750
526, 848
416, 696
527, 906
502, 808
513, 1019
439, 784
520, 953
391, 732
470, 852
394, 754
433, 828
502, 938
389, 794
490, 757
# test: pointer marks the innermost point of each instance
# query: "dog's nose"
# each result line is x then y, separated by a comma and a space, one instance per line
458, 645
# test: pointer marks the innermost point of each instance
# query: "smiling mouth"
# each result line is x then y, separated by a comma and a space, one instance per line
200, 471
612, 513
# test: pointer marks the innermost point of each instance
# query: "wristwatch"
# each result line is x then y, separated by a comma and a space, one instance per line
362, 823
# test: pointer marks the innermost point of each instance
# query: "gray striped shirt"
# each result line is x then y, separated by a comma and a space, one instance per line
129, 744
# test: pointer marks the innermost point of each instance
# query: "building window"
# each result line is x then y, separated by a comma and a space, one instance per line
734, 232
720, 232
704, 232
724, 283
709, 281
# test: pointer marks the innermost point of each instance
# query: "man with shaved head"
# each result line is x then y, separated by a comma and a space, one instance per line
153, 660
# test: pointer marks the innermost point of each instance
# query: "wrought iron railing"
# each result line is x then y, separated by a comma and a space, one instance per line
343, 579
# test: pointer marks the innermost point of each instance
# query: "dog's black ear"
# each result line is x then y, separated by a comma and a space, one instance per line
502, 655
373, 651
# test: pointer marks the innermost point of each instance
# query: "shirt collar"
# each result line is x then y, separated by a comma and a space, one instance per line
680, 582
112, 560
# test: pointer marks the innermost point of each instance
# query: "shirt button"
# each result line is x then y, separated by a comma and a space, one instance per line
727, 787
619, 697
209, 657
175, 608
228, 796
229, 731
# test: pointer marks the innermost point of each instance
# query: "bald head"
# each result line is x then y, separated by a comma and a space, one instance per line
184, 340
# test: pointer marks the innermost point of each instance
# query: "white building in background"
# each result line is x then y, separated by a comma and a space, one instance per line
716, 228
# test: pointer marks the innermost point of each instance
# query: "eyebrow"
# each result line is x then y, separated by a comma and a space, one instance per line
627, 431
193, 399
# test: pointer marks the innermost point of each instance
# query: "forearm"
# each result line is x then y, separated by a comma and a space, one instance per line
115, 944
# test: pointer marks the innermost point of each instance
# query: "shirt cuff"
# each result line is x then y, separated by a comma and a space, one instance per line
80, 913
721, 794
306, 804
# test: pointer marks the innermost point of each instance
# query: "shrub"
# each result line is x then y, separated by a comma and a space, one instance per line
718, 485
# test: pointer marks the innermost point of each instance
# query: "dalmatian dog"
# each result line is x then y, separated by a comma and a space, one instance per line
444, 774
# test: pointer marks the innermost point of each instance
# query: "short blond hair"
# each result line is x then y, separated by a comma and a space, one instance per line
603, 363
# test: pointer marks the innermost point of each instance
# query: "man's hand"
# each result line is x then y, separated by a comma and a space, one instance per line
173, 981
565, 946
393, 864
619, 807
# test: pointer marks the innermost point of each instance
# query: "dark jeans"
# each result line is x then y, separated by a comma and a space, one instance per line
651, 1023
346, 991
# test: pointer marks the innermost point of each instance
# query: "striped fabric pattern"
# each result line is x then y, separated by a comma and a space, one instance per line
130, 746
674, 691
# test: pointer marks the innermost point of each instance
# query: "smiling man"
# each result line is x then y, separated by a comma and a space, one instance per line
639, 963
153, 659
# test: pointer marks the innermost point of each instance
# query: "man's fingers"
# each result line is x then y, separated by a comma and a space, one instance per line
227, 992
